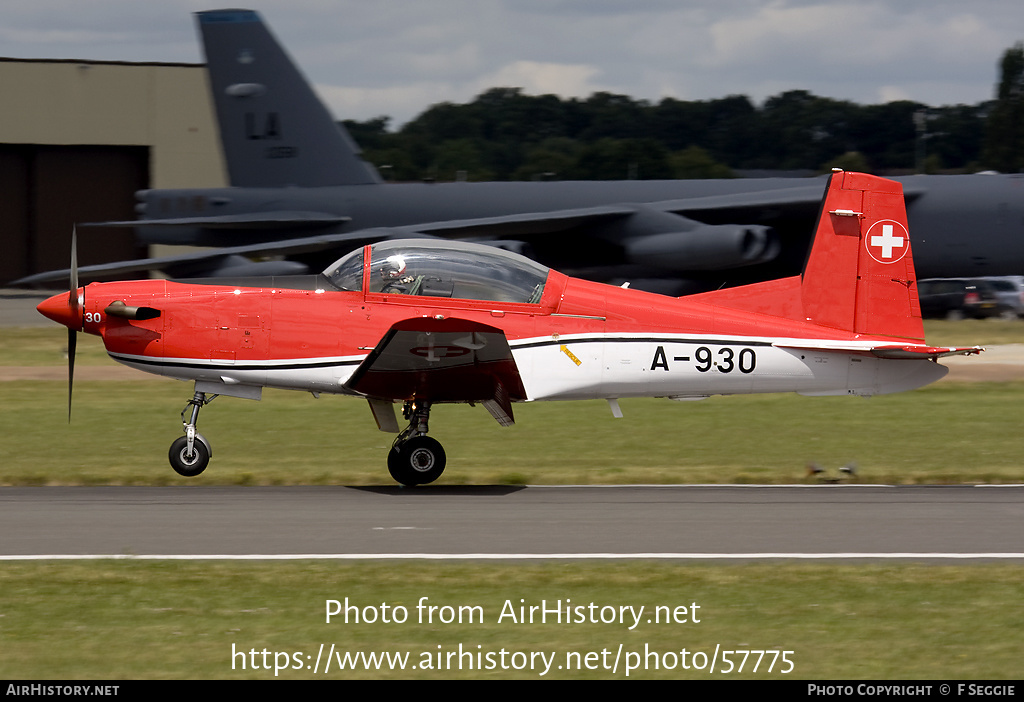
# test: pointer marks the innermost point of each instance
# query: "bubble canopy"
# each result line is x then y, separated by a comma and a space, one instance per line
449, 269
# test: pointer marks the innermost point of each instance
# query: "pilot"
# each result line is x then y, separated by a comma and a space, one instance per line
392, 272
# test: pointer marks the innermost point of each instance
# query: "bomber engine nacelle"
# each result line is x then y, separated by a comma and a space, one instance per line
671, 242
707, 247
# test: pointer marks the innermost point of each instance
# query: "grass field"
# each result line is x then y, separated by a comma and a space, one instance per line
169, 619
949, 433
145, 620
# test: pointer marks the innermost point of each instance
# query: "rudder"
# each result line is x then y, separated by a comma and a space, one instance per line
859, 274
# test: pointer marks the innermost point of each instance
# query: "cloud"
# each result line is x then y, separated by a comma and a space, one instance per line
400, 102
537, 78
892, 93
865, 51
399, 57
405, 101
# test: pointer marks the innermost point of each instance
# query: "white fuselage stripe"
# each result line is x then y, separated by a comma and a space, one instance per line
588, 366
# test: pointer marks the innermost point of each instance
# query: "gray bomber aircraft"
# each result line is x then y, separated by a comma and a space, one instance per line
300, 189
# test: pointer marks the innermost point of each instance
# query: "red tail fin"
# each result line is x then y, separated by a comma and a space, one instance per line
859, 276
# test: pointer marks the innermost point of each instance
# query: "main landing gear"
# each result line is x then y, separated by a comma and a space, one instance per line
415, 458
190, 454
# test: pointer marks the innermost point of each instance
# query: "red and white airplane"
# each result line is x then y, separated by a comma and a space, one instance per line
419, 322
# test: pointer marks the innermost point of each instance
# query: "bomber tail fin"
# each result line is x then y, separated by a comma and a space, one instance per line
859, 275
274, 129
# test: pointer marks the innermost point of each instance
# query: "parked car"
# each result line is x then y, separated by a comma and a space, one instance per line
956, 298
1010, 291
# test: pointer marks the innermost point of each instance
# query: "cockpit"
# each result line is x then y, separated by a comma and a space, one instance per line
449, 269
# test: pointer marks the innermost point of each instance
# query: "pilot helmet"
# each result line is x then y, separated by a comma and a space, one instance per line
393, 267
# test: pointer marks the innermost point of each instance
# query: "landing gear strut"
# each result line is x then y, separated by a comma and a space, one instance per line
190, 454
415, 458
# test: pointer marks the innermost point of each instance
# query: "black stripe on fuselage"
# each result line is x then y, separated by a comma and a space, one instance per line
639, 340
298, 365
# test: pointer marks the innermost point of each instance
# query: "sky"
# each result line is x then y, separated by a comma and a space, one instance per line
398, 57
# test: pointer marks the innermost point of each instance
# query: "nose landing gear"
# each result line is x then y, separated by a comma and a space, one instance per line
190, 454
415, 458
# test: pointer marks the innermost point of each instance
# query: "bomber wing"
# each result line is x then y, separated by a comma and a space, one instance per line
205, 259
440, 360
684, 234
802, 196
249, 220
748, 202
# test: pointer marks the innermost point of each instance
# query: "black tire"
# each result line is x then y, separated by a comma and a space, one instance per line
183, 464
417, 461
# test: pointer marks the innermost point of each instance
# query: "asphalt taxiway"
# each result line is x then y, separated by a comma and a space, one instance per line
685, 522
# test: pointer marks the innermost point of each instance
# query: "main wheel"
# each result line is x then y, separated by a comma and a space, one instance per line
416, 461
182, 463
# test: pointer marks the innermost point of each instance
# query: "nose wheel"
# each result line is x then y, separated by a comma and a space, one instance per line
415, 458
190, 454
186, 463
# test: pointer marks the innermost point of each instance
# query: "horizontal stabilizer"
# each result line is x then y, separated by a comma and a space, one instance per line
907, 352
919, 352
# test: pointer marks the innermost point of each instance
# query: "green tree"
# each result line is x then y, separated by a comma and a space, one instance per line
371, 134
694, 162
623, 159
552, 159
462, 159
1004, 133
886, 134
850, 161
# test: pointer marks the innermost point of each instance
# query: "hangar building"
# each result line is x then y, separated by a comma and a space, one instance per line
78, 138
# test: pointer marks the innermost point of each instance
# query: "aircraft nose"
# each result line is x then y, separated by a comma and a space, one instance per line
60, 309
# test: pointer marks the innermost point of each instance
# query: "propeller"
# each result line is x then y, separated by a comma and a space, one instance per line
76, 313
68, 311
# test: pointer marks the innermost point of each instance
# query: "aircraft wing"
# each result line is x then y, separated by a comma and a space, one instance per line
441, 360
530, 222
521, 224
676, 236
801, 196
206, 258
253, 220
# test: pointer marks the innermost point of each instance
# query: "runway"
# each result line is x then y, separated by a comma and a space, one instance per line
507, 522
